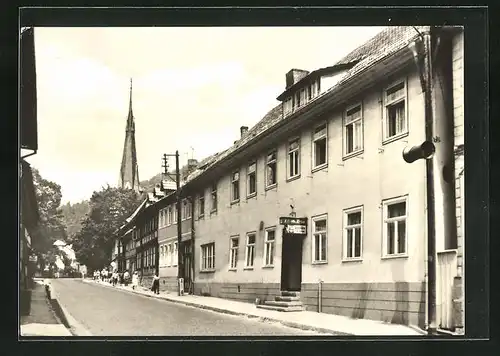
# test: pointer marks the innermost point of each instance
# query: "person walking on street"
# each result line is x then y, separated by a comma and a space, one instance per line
114, 278
97, 275
126, 277
135, 280
156, 284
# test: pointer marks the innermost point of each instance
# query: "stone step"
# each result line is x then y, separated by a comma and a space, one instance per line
280, 298
285, 293
282, 309
283, 304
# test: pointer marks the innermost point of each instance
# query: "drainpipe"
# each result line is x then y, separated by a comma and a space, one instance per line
423, 58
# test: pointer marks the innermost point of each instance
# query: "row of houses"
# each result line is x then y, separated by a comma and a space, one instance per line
316, 200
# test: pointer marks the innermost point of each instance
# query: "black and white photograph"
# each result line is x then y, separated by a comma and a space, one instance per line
242, 181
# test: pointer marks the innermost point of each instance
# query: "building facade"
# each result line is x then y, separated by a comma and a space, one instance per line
332, 153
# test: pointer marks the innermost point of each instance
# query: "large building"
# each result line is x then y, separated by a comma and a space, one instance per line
329, 158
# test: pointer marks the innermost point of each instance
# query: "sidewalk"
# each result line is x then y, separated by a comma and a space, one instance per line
305, 320
42, 320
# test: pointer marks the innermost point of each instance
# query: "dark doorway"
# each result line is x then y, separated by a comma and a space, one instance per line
291, 262
186, 264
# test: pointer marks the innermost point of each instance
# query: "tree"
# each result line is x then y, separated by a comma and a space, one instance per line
108, 210
50, 227
73, 216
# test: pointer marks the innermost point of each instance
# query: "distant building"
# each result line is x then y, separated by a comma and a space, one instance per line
129, 171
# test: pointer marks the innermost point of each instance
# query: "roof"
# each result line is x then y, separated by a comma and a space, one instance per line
314, 74
268, 121
382, 45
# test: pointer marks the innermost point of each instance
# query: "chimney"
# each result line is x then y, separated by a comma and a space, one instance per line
294, 75
243, 131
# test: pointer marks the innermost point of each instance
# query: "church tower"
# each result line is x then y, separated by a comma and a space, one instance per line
129, 171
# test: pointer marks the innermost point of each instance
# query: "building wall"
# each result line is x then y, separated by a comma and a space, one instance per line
167, 235
378, 173
458, 111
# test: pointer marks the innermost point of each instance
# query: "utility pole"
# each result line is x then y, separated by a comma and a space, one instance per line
179, 221
179, 212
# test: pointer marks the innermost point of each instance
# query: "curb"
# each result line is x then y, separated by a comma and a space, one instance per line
75, 328
235, 313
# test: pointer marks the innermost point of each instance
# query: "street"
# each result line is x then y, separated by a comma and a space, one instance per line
109, 312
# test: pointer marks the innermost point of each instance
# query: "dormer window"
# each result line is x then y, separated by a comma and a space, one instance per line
288, 106
297, 100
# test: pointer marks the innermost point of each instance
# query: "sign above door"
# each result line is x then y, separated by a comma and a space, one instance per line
288, 220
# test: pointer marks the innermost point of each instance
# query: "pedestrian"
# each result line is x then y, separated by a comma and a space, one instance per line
98, 275
126, 277
114, 278
135, 280
156, 284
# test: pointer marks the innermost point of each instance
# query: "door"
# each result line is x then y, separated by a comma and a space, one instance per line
187, 255
291, 263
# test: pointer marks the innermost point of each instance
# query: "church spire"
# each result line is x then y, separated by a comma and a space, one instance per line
130, 119
129, 172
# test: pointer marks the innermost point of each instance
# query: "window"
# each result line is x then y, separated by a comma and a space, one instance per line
353, 130
353, 233
395, 239
395, 110
161, 217
269, 248
271, 167
294, 158
233, 252
169, 216
319, 146
186, 209
313, 89
287, 106
214, 197
208, 257
235, 186
251, 179
201, 204
174, 213
162, 255
319, 239
169, 255
250, 250
303, 96
175, 256
297, 100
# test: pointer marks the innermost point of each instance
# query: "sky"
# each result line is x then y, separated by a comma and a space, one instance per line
192, 90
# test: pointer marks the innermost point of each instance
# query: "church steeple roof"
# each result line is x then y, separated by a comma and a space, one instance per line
129, 171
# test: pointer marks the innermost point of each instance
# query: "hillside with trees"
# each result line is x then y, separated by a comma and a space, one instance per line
109, 208
73, 215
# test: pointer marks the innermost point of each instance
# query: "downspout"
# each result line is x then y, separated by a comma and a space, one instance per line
423, 59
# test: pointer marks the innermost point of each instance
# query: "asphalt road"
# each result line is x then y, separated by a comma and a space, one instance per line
109, 312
